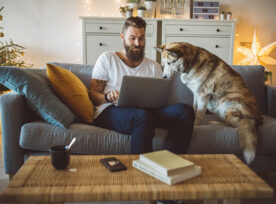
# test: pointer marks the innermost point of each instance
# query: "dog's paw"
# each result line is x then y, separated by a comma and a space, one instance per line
216, 123
197, 122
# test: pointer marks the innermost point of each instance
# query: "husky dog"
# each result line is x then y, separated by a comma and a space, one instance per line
217, 87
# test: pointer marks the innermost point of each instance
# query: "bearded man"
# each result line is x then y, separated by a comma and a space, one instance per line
106, 80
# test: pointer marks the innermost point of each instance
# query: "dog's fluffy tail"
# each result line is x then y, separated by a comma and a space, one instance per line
247, 133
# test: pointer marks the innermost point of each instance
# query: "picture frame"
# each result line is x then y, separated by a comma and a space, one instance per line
164, 9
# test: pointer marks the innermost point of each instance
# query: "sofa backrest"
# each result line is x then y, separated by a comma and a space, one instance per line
83, 71
180, 93
252, 75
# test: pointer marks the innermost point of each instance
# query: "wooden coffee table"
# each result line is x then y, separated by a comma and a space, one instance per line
223, 177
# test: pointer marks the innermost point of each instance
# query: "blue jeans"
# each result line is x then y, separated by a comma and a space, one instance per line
178, 119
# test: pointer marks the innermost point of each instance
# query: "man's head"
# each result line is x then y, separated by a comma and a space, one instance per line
133, 37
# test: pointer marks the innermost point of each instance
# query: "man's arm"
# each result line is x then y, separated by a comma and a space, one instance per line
96, 92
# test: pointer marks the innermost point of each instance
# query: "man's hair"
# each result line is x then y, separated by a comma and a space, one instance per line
136, 22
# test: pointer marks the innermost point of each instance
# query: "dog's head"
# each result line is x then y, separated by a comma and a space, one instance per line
172, 58
174, 55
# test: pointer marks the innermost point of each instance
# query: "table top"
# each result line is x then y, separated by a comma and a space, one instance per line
223, 176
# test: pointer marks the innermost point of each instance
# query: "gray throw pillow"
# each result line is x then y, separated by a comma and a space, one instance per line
34, 85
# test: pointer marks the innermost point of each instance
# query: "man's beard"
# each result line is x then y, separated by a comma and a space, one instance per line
134, 55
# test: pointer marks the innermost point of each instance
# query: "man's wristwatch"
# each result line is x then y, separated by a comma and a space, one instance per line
105, 97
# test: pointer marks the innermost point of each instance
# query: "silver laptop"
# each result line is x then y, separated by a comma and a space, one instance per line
144, 92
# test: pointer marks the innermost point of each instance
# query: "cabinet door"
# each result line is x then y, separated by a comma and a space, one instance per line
96, 45
216, 45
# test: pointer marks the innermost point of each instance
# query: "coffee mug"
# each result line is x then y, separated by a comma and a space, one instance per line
60, 156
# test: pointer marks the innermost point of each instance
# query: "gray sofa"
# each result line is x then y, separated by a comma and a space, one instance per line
24, 134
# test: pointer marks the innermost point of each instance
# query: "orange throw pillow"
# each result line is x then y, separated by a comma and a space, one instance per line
71, 91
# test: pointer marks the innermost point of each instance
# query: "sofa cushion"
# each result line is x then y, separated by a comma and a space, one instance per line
41, 136
83, 71
224, 140
34, 85
72, 92
207, 139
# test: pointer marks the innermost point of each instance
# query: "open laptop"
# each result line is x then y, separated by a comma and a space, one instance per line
144, 92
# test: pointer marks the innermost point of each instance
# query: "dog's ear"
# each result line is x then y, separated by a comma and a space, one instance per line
160, 48
175, 52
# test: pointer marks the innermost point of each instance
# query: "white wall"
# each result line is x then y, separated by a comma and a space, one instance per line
51, 29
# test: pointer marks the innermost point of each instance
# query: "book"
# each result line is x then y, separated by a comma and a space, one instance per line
170, 180
166, 162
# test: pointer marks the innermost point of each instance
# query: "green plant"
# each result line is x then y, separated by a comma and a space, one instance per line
122, 9
134, 1
129, 9
142, 8
268, 75
11, 55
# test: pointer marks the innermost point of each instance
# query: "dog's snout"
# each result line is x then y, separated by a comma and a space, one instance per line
165, 77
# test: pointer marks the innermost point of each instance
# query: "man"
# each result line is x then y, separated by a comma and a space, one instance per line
139, 123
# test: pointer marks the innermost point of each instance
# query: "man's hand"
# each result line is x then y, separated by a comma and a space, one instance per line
112, 96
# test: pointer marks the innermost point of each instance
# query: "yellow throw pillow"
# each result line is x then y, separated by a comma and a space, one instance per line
71, 91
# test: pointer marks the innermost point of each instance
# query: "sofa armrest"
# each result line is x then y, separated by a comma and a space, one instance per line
14, 113
271, 100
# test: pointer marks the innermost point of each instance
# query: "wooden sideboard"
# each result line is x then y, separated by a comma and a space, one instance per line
103, 34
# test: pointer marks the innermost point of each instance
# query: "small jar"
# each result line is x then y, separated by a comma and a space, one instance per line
229, 16
128, 14
222, 16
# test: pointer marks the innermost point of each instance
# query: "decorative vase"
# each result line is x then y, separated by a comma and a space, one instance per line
150, 5
141, 13
132, 5
123, 14
128, 14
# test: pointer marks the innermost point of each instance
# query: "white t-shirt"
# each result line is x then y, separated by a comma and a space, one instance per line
110, 68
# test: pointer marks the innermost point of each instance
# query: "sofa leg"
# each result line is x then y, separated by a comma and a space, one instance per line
11, 176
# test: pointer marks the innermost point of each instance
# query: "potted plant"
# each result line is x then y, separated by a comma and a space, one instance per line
133, 3
128, 11
141, 11
122, 10
150, 4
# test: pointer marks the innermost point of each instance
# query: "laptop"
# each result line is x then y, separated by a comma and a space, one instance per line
144, 92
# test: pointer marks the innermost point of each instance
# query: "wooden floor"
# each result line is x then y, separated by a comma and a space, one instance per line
270, 178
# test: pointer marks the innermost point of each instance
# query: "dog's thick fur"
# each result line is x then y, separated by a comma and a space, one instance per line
217, 87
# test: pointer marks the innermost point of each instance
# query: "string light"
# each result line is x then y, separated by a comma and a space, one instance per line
87, 6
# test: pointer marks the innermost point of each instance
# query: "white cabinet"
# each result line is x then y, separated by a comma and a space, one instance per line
103, 34
213, 35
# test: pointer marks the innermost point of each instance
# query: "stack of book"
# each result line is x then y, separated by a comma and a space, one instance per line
206, 9
166, 166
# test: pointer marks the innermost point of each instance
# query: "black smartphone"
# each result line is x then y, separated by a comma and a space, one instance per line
113, 164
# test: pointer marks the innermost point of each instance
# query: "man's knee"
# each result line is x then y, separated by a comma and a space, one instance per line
143, 116
184, 111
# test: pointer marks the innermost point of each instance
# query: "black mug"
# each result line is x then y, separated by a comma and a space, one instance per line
60, 156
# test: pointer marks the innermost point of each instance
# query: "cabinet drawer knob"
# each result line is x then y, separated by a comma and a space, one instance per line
181, 29
101, 44
218, 30
100, 27
217, 46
